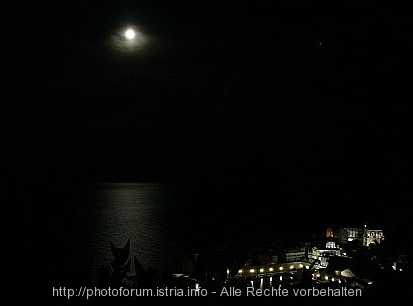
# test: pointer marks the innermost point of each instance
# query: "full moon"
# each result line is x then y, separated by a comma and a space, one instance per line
130, 34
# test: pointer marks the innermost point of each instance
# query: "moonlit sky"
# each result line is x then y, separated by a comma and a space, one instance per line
301, 100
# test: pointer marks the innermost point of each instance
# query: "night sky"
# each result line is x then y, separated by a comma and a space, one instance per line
290, 104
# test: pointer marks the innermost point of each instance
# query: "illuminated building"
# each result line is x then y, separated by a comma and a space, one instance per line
323, 254
330, 245
349, 234
329, 233
291, 255
372, 236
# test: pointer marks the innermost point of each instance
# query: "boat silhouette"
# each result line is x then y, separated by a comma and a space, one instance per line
121, 255
116, 272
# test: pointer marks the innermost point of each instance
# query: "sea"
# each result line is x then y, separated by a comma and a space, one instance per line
144, 213
68, 236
